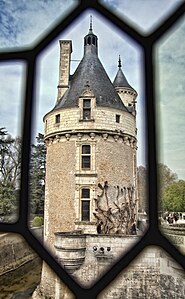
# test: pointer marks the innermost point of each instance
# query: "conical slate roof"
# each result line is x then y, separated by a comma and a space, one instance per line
120, 79
90, 71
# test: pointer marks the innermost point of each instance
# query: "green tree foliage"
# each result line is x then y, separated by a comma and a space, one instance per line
10, 161
174, 197
37, 175
166, 177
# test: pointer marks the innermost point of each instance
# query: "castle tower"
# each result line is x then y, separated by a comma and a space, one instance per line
90, 136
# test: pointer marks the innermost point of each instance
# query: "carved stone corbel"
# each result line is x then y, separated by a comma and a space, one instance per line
67, 136
105, 136
116, 137
92, 135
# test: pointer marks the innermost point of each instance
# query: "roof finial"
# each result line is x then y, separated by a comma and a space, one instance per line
90, 29
119, 62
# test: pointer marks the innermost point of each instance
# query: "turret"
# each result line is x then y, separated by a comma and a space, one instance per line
91, 41
125, 91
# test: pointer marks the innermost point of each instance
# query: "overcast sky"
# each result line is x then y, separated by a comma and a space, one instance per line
23, 22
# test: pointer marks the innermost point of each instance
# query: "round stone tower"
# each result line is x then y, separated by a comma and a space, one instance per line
90, 136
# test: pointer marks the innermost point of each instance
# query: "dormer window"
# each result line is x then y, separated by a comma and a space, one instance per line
87, 109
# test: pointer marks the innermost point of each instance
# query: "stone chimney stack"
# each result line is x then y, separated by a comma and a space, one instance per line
64, 67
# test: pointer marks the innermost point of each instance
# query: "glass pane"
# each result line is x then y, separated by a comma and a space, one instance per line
85, 193
86, 149
87, 103
86, 113
85, 210
170, 87
86, 161
20, 267
23, 22
152, 274
11, 77
112, 156
145, 16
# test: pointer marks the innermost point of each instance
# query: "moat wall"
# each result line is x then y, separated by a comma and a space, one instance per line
14, 252
153, 274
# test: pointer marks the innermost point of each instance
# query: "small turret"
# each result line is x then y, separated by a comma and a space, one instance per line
126, 92
91, 41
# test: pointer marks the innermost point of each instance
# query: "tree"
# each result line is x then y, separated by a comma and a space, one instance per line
10, 161
166, 177
174, 197
37, 175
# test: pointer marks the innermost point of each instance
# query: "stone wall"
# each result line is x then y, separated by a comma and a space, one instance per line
104, 119
60, 189
176, 234
152, 275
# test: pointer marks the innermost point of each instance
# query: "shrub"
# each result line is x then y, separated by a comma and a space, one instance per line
37, 221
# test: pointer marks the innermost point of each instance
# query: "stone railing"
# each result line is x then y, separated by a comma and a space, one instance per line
176, 234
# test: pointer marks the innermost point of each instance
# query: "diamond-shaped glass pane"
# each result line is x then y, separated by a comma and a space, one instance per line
153, 273
20, 267
11, 100
170, 86
144, 16
78, 231
23, 22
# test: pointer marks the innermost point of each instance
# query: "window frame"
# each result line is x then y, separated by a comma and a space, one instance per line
85, 199
86, 109
85, 156
57, 119
118, 118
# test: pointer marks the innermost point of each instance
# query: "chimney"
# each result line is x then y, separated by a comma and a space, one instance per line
64, 67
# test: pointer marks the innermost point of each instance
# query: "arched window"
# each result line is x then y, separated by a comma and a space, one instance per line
93, 41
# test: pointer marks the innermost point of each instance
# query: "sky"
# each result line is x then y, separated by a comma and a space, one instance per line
24, 22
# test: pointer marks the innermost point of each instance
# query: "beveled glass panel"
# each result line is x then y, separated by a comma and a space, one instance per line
110, 156
20, 267
24, 22
170, 88
144, 16
152, 274
11, 102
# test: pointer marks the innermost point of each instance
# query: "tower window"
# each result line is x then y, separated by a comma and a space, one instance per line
89, 40
86, 156
86, 109
117, 118
57, 118
85, 204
